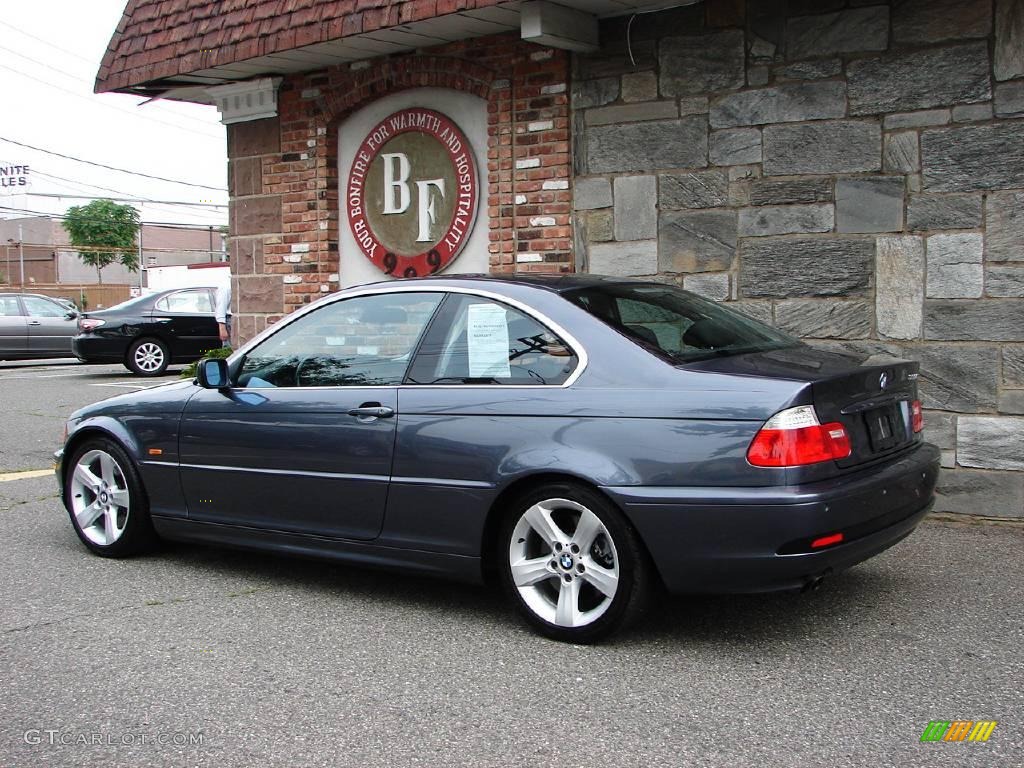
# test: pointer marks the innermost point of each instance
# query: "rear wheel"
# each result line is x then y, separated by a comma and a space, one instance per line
104, 497
147, 357
572, 564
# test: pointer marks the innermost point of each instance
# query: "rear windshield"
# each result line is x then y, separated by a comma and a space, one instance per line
675, 324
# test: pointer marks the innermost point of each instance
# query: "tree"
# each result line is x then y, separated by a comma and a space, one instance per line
104, 232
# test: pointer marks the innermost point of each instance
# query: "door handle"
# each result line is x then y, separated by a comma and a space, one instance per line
372, 411
34, 322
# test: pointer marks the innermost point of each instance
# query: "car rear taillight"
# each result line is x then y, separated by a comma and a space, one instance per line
794, 437
86, 324
916, 416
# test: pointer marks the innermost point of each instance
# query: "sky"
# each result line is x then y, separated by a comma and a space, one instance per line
50, 51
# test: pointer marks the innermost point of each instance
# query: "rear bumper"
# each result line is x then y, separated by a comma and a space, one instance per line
710, 540
100, 349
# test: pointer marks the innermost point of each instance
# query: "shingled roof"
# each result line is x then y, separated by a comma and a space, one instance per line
166, 43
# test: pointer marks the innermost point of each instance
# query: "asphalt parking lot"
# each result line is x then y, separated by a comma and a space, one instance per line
201, 656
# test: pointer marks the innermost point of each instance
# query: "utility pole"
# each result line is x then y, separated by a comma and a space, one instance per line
141, 265
21, 256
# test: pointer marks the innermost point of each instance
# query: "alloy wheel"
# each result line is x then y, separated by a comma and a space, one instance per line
148, 357
100, 499
563, 563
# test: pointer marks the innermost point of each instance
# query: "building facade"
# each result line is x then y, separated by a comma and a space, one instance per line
851, 171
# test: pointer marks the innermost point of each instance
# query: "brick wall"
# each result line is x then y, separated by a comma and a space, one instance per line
850, 171
284, 177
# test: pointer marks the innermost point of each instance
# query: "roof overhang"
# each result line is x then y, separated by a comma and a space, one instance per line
569, 24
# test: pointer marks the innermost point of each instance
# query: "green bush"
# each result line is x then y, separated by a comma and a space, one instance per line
189, 371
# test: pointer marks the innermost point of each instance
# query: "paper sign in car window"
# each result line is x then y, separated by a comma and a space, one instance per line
487, 334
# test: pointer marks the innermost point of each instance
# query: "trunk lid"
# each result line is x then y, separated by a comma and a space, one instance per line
870, 396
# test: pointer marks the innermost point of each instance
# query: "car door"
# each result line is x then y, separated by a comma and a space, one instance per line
50, 327
185, 319
304, 439
13, 328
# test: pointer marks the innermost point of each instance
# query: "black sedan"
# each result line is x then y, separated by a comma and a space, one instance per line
33, 326
581, 439
150, 332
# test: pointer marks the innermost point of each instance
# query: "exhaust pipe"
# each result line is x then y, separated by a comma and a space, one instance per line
813, 582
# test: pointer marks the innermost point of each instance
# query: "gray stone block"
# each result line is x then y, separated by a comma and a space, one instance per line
756, 310
840, 146
940, 429
791, 102
785, 192
977, 492
697, 189
595, 93
711, 285
643, 146
810, 70
954, 266
1013, 365
768, 220
624, 259
974, 157
806, 266
1009, 100
926, 212
1008, 58
971, 113
990, 442
962, 378
850, 31
935, 77
591, 193
702, 63
1011, 401
922, 119
696, 241
615, 58
901, 153
600, 226
639, 86
694, 105
758, 76
636, 207
932, 21
738, 146
1004, 217
989, 320
1005, 282
869, 204
632, 113
899, 286
824, 318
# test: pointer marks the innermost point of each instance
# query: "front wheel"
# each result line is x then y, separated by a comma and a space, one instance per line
148, 357
105, 499
572, 564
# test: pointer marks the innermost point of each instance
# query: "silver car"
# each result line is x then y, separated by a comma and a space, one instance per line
35, 326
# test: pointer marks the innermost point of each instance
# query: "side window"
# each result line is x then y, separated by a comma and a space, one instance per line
358, 342
9, 306
188, 302
479, 341
42, 308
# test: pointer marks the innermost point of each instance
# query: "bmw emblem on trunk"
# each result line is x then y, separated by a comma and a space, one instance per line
882, 381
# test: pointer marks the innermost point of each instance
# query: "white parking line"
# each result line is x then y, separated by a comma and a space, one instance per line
8, 476
128, 384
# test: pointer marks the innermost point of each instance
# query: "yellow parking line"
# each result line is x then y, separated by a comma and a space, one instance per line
8, 476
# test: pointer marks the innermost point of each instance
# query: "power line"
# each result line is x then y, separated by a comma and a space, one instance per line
168, 224
48, 43
92, 100
111, 167
126, 200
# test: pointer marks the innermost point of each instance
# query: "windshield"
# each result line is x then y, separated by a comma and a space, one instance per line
675, 324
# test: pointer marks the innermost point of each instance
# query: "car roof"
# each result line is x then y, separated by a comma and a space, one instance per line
558, 283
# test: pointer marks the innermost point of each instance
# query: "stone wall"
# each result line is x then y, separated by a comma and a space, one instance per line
284, 178
851, 171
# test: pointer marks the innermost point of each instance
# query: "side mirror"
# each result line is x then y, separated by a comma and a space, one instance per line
70, 314
212, 373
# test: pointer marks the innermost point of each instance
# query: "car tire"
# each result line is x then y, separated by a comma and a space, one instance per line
106, 501
148, 357
572, 564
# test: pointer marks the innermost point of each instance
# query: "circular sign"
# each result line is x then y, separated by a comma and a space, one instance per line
411, 194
